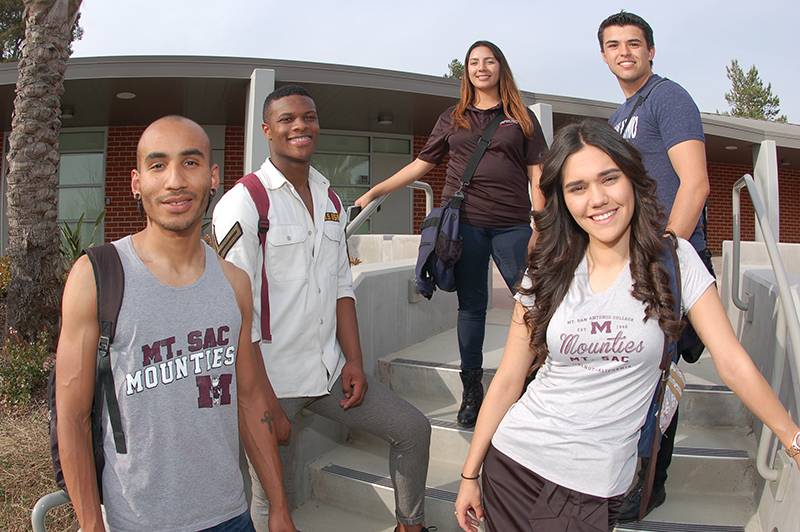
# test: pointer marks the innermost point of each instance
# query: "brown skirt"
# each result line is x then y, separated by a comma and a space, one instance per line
518, 500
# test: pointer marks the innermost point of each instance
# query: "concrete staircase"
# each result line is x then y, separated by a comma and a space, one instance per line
712, 478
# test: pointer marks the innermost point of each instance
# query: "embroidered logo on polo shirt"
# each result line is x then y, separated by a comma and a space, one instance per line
331, 216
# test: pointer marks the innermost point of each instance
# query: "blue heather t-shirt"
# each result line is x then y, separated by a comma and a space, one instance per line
667, 117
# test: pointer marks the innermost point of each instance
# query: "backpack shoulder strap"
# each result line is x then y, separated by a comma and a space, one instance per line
337, 203
260, 198
639, 101
109, 279
672, 264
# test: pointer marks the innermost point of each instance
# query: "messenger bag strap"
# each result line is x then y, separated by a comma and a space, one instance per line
480, 149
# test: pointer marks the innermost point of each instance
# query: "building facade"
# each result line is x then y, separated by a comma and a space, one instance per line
373, 122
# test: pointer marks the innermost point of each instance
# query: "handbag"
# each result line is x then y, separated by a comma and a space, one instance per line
440, 241
670, 386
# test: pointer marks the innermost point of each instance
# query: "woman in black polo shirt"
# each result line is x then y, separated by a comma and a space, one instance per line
495, 215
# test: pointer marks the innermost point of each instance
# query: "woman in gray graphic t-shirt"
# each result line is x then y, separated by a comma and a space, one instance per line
593, 312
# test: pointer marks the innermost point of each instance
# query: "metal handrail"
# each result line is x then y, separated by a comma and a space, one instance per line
787, 315
367, 212
44, 505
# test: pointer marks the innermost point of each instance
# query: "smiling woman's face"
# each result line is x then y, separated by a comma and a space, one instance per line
483, 68
598, 196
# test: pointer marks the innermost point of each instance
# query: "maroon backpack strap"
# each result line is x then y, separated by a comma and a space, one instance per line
335, 200
261, 199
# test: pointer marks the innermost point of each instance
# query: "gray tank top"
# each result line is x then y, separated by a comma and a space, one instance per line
173, 360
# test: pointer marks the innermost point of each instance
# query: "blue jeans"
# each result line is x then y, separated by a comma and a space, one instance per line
508, 246
240, 523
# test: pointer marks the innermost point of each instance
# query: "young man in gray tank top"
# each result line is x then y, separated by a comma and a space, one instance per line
186, 378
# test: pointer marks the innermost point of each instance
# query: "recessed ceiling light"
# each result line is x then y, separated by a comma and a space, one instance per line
385, 119
730, 147
125, 95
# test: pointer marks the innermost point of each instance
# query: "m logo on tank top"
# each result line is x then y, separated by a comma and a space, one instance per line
213, 391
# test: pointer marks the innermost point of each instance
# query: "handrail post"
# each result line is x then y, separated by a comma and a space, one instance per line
737, 246
762, 454
425, 187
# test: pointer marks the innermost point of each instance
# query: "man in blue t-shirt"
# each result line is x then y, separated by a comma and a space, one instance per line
662, 121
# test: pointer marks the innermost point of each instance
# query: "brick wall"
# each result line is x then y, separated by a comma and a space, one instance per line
122, 218
720, 217
435, 179
233, 165
789, 192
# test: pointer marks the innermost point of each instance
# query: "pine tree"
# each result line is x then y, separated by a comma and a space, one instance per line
455, 69
749, 98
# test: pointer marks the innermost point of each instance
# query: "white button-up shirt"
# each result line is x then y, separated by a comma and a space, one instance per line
308, 269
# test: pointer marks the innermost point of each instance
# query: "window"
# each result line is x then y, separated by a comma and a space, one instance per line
80, 180
346, 159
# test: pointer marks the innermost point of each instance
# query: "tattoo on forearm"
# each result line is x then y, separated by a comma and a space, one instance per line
267, 420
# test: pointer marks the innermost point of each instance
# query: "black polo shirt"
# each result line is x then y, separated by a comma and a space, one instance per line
497, 196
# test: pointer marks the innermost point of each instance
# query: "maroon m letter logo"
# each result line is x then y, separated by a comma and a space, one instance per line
601, 327
216, 391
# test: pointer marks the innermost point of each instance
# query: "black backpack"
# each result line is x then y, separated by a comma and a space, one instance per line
110, 281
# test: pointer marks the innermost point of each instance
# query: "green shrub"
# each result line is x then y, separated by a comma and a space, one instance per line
24, 367
72, 242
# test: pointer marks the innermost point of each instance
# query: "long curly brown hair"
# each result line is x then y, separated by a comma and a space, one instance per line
509, 94
561, 243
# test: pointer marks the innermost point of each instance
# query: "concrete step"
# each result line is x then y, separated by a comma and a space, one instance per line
315, 516
705, 459
424, 371
355, 479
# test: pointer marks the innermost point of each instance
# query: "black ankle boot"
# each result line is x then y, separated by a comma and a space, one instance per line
471, 398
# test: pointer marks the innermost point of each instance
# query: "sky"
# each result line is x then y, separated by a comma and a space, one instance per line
551, 46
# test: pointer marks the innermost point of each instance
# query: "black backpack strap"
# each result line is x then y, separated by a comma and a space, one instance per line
669, 355
110, 281
480, 149
639, 101
671, 348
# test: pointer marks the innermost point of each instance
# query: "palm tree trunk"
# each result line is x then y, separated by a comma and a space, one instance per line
33, 157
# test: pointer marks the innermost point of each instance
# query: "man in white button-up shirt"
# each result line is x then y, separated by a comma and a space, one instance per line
308, 333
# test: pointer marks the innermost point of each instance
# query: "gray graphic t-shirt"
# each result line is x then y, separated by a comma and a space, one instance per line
578, 422
667, 117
